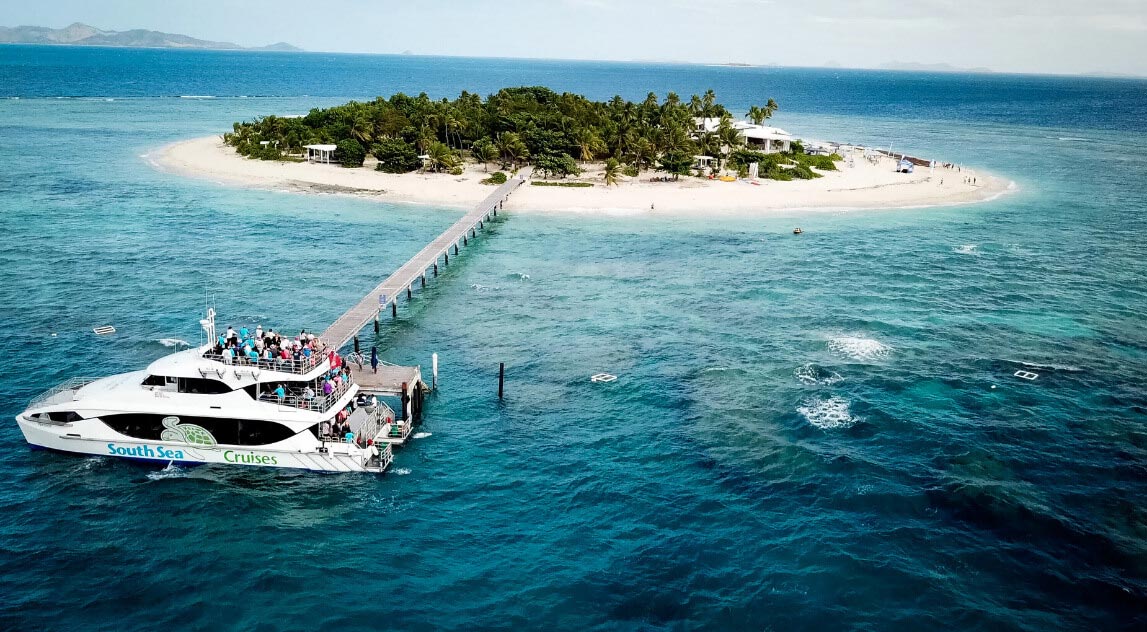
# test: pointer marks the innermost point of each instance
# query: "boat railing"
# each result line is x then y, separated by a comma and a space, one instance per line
302, 366
320, 403
378, 423
73, 384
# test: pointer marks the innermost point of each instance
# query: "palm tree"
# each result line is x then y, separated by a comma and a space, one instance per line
511, 147
709, 104
590, 144
758, 114
484, 151
612, 171
362, 128
440, 157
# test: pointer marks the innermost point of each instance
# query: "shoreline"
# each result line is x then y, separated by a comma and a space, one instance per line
862, 186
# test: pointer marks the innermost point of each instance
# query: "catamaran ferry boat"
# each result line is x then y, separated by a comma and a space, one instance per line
209, 405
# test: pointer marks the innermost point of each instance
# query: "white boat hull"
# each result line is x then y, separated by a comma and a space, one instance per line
302, 451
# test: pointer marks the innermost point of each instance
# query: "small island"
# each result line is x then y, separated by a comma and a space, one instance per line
670, 155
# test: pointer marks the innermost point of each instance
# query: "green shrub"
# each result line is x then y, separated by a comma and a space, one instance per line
456, 170
544, 183
395, 156
824, 163
630, 171
496, 178
349, 153
802, 172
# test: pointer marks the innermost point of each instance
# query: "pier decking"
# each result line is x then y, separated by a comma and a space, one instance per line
390, 378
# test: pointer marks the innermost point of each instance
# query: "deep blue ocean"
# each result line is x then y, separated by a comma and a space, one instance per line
808, 433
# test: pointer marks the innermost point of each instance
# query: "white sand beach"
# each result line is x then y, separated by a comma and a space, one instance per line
862, 185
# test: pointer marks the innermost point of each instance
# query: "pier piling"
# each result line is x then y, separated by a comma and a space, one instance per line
501, 377
347, 326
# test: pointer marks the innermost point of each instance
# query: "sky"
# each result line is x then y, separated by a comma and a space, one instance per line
1040, 36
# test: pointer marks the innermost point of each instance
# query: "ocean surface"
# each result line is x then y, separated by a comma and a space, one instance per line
814, 432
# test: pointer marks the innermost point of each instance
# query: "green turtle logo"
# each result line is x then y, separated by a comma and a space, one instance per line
190, 434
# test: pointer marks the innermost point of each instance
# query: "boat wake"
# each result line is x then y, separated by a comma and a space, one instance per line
828, 414
423, 435
859, 348
174, 343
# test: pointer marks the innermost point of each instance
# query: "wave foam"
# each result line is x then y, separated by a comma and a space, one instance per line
171, 471
401, 471
828, 414
859, 348
966, 249
813, 374
422, 435
482, 288
173, 342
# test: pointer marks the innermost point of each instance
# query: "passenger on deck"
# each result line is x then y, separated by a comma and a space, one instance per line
227, 356
231, 335
325, 429
280, 393
309, 393
259, 332
328, 388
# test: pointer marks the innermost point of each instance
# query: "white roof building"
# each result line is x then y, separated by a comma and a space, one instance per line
757, 137
320, 153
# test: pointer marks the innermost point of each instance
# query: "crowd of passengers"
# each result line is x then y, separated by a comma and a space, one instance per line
331, 382
267, 348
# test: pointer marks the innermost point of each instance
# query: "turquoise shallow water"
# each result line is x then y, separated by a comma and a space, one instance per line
804, 433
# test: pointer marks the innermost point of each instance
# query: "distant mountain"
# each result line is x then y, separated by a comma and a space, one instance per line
915, 67
83, 35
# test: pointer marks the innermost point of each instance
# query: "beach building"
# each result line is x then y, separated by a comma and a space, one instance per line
320, 153
770, 140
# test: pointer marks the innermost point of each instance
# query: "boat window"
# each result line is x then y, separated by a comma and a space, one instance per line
64, 416
224, 430
157, 380
202, 386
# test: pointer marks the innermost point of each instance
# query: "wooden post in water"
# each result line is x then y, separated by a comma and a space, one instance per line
447, 259
464, 242
423, 279
409, 294
436, 267
356, 344
376, 321
394, 309
455, 248
501, 377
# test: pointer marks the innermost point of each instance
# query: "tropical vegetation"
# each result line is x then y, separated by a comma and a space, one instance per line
555, 133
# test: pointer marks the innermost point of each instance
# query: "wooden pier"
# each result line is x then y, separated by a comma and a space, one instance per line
390, 378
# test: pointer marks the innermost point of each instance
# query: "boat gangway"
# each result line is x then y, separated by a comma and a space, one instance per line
386, 294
